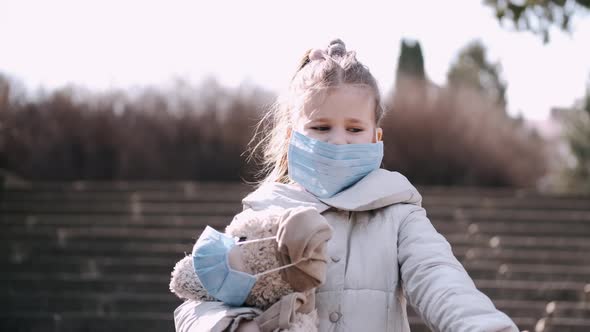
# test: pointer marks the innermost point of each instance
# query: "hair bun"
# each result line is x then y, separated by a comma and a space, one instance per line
336, 48
317, 54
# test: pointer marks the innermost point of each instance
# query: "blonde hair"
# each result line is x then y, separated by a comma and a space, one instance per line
317, 72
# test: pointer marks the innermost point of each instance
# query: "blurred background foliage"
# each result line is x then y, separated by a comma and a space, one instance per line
454, 134
458, 134
473, 70
186, 133
575, 175
538, 16
572, 173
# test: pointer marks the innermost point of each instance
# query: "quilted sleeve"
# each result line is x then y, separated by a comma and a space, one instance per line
194, 316
436, 284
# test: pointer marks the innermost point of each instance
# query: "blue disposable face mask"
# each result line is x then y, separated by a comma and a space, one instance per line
210, 260
326, 169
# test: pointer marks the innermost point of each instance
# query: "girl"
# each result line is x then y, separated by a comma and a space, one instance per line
324, 151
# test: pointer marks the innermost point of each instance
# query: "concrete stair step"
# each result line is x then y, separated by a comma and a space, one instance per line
129, 186
560, 324
500, 203
513, 308
16, 251
535, 216
89, 265
64, 236
125, 208
115, 220
532, 290
562, 309
197, 224
522, 241
492, 192
16, 301
191, 194
496, 227
70, 282
87, 322
522, 255
531, 272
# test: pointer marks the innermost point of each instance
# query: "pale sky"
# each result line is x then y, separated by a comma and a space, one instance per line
122, 44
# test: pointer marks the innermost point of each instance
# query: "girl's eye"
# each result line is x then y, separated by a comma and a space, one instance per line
321, 128
355, 130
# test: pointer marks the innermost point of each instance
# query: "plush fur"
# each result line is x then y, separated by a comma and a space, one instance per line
185, 283
259, 257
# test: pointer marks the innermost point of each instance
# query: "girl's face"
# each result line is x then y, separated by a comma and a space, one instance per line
346, 115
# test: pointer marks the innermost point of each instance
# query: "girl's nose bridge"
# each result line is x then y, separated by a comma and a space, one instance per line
338, 136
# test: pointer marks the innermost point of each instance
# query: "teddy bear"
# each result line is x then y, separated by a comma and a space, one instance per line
286, 250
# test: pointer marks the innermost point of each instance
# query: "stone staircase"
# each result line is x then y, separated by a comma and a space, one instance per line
98, 256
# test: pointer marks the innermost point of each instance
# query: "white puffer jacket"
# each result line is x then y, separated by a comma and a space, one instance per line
382, 240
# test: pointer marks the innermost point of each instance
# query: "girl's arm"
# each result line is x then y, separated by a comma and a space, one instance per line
248, 326
436, 284
210, 316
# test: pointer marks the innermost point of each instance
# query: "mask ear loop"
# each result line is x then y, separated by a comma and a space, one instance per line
281, 267
256, 240
276, 268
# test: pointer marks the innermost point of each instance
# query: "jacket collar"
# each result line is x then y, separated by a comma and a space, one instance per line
378, 189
